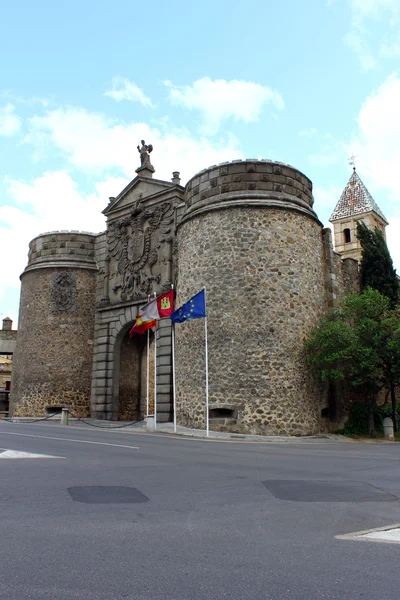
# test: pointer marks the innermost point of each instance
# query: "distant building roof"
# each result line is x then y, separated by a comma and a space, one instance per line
5, 361
355, 200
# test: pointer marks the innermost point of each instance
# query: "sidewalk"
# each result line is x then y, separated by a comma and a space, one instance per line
220, 435
168, 429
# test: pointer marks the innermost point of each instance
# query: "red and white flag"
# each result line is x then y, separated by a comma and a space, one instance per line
159, 308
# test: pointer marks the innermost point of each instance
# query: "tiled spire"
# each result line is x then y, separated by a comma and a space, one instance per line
355, 200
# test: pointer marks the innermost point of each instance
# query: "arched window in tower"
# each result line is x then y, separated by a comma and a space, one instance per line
347, 235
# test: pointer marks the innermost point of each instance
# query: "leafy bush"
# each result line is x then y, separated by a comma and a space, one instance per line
358, 420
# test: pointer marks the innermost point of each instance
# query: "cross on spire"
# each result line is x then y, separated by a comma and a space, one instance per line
352, 161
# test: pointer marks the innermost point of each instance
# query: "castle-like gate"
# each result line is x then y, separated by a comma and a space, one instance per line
245, 230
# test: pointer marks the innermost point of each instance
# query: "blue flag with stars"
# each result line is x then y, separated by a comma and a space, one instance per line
195, 308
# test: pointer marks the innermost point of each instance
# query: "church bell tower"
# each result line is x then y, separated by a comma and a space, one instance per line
355, 204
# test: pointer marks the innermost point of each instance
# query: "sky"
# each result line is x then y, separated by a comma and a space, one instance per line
82, 82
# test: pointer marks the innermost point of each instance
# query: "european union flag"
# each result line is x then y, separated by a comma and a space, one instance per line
195, 308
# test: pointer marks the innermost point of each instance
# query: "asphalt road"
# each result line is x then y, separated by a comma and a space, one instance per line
131, 515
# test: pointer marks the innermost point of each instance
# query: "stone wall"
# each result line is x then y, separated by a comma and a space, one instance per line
135, 258
8, 337
351, 276
8, 341
53, 358
249, 235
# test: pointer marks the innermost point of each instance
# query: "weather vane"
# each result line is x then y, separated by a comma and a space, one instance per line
352, 161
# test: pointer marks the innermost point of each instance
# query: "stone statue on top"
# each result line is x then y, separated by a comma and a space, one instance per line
144, 152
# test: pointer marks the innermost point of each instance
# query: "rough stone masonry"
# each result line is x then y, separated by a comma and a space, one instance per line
247, 231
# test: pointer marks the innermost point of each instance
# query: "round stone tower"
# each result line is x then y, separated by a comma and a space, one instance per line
53, 359
249, 234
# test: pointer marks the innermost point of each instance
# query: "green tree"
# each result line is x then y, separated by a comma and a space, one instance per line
358, 343
391, 360
377, 272
376, 266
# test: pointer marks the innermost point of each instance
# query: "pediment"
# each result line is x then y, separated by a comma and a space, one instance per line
142, 189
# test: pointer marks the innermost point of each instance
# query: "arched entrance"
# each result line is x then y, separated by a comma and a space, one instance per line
130, 376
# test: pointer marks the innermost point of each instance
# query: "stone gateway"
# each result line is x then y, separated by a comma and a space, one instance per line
248, 232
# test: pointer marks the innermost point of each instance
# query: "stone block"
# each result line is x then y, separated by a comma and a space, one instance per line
234, 169
101, 376
163, 406
164, 341
163, 418
163, 389
100, 340
163, 361
100, 355
213, 174
163, 351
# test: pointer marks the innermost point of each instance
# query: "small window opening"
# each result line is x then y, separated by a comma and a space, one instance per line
54, 410
221, 413
347, 236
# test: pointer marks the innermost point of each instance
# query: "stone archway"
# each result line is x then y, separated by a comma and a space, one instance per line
130, 376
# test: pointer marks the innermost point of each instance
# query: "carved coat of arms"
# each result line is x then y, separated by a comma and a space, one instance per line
134, 242
63, 292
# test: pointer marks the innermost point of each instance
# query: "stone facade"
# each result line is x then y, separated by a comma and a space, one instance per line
245, 230
53, 358
8, 337
250, 236
135, 257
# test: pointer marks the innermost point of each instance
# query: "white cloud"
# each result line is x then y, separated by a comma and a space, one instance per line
95, 144
123, 89
390, 49
368, 42
54, 202
104, 151
393, 241
48, 203
10, 123
331, 152
377, 143
312, 131
377, 150
218, 100
326, 199
374, 8
355, 39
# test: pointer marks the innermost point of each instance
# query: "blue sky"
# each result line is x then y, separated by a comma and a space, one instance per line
307, 83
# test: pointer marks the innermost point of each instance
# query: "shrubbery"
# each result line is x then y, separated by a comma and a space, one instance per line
358, 421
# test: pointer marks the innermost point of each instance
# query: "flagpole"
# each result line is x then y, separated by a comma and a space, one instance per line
173, 373
206, 357
173, 369
155, 377
148, 370
148, 374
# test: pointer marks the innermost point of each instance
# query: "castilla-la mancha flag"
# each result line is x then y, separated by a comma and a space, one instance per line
159, 308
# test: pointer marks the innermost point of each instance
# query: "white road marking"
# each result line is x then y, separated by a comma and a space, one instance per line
45, 437
17, 454
389, 534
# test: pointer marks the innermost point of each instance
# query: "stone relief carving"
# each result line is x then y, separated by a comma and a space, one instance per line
137, 243
63, 292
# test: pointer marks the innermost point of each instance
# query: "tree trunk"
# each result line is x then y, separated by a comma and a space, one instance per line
371, 420
394, 407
